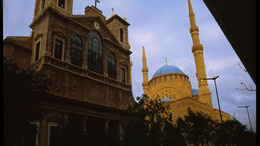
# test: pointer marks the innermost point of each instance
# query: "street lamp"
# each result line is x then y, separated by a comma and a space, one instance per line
247, 115
214, 78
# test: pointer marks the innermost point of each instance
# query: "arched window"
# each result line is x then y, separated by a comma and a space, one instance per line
76, 50
180, 123
121, 35
111, 65
61, 3
95, 52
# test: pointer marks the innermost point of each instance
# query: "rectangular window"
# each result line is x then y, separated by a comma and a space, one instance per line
37, 51
58, 49
43, 4
31, 137
123, 75
53, 133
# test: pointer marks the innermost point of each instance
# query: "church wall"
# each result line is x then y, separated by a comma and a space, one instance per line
39, 35
74, 88
70, 85
113, 27
17, 54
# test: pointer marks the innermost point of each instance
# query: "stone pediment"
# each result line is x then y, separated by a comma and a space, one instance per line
89, 22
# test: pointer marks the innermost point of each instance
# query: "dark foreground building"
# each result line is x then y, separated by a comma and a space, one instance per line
88, 56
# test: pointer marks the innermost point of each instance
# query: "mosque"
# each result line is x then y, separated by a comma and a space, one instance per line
89, 58
171, 85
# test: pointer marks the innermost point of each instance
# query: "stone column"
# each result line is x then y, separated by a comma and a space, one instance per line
106, 126
67, 47
43, 131
85, 52
120, 130
118, 68
84, 125
105, 53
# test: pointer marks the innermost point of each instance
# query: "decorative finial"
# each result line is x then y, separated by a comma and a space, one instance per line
124, 16
166, 61
113, 12
96, 1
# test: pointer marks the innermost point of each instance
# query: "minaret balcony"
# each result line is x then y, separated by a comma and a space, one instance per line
194, 29
198, 47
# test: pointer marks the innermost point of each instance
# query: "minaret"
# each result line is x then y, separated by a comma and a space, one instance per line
145, 73
197, 50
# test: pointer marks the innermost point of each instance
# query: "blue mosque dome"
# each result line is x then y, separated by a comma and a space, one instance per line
167, 69
166, 99
194, 91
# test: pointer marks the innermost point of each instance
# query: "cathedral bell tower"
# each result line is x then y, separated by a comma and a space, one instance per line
63, 6
197, 50
119, 27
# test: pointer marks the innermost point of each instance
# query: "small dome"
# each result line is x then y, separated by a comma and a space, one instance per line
194, 91
167, 69
166, 99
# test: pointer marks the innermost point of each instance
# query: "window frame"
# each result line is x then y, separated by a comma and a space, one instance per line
123, 75
57, 37
37, 50
59, 3
95, 52
58, 53
42, 4
75, 52
37, 123
121, 35
111, 67
51, 124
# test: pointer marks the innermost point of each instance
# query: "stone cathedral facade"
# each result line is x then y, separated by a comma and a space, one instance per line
172, 85
89, 58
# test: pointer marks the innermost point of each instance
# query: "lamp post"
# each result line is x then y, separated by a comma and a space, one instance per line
247, 115
214, 78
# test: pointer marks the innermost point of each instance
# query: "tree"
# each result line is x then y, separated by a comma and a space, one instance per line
232, 132
154, 127
245, 87
199, 129
22, 92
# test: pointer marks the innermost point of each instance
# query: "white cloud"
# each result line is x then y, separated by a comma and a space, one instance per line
239, 97
215, 65
210, 32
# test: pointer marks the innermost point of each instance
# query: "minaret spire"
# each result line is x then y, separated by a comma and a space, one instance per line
145, 73
190, 9
194, 30
197, 50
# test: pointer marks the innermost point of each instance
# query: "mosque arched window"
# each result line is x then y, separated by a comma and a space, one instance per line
95, 52
111, 65
76, 50
180, 123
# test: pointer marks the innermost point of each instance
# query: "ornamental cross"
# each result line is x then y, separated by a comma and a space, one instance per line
96, 2
112, 10
166, 61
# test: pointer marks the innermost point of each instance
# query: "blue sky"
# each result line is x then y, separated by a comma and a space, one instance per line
162, 27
